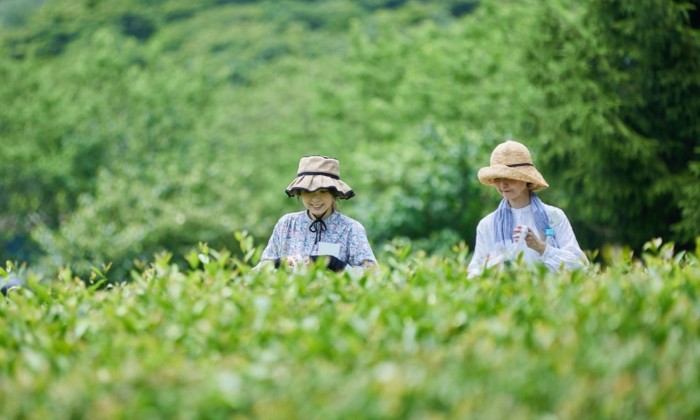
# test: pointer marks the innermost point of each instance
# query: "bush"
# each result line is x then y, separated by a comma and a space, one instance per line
413, 339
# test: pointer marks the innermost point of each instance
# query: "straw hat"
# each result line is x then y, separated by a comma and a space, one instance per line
318, 172
512, 160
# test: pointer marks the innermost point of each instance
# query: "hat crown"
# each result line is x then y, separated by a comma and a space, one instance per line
512, 160
319, 172
319, 165
510, 153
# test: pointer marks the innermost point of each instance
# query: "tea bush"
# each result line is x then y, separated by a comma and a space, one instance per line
413, 339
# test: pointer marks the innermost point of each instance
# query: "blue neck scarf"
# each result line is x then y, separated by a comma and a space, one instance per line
503, 222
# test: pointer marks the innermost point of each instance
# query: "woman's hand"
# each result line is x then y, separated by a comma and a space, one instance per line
531, 239
297, 261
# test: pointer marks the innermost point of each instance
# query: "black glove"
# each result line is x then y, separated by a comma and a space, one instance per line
334, 264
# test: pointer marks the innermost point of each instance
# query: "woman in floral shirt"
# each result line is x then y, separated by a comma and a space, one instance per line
320, 230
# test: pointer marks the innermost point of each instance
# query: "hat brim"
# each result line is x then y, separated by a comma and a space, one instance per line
529, 174
313, 183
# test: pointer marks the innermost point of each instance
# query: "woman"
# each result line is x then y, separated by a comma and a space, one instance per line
522, 224
320, 230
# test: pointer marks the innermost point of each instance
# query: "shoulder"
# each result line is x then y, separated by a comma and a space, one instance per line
348, 221
290, 218
555, 214
487, 220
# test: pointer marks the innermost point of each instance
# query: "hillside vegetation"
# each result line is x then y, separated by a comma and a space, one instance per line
131, 128
146, 146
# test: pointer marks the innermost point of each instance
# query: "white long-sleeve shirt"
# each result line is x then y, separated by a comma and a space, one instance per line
488, 252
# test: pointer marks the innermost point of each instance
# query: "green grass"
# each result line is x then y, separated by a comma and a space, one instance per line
413, 339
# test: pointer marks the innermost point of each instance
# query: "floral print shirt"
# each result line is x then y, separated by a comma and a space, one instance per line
292, 237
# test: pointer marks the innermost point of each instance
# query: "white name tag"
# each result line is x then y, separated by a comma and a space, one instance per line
327, 248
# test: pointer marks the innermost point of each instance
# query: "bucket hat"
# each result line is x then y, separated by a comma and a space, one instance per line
512, 160
319, 172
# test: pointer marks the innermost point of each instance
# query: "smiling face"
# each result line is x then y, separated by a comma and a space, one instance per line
516, 192
319, 203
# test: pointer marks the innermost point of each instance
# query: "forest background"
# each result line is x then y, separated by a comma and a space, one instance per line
131, 127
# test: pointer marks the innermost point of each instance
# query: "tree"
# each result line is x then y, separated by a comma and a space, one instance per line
619, 123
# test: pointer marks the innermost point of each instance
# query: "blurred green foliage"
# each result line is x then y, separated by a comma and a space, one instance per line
411, 340
135, 127
14, 13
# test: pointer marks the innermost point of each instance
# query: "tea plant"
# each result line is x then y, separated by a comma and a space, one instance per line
412, 339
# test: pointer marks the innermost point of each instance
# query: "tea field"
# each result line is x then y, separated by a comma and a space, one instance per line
412, 339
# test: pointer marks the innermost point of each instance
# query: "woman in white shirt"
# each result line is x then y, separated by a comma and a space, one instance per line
522, 226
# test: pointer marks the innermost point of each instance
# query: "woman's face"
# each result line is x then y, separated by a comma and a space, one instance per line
318, 202
516, 192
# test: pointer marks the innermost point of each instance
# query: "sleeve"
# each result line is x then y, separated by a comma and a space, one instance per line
480, 256
359, 251
273, 250
569, 255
